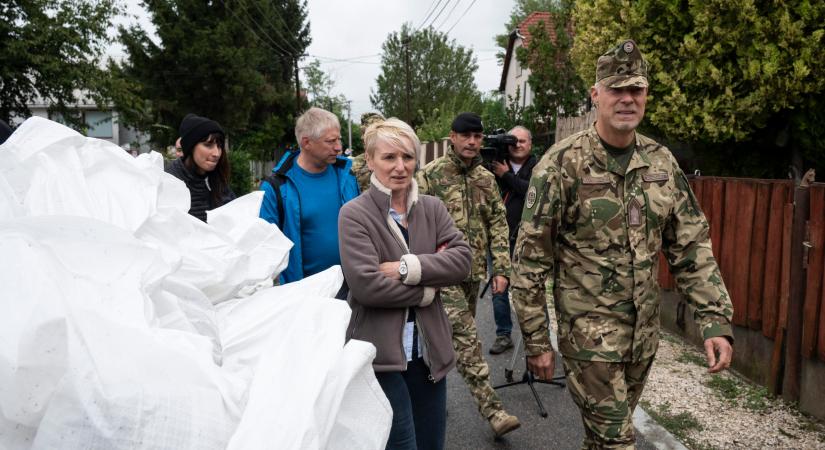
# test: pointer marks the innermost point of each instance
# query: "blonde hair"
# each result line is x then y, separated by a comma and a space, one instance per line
394, 132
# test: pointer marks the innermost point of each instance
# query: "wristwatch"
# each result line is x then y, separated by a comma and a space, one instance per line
402, 270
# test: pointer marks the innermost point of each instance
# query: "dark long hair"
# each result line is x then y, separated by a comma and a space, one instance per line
218, 178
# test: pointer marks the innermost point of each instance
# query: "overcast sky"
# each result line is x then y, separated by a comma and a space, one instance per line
347, 36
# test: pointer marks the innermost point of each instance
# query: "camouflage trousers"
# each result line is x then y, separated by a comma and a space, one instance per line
460, 304
607, 394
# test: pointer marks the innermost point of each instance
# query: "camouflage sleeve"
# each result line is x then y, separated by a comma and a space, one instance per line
499, 236
686, 245
534, 257
423, 182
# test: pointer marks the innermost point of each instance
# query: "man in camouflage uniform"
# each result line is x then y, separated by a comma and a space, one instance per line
471, 195
600, 206
359, 163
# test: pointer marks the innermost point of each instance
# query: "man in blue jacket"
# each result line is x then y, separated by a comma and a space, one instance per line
305, 193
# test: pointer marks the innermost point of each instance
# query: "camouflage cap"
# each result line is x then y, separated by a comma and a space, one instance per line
369, 118
622, 66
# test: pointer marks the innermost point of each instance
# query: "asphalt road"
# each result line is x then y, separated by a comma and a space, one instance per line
561, 429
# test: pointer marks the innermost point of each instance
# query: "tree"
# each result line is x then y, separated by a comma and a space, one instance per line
521, 10
51, 49
423, 70
739, 80
558, 88
230, 60
319, 87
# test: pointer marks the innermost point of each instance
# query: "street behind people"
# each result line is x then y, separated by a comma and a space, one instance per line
203, 166
469, 192
600, 206
305, 193
397, 248
513, 178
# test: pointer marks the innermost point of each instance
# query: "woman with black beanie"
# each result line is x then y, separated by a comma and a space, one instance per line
204, 166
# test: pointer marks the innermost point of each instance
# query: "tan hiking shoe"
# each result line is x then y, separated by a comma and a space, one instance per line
501, 345
503, 423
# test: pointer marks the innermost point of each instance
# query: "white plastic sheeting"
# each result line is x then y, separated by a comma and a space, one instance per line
126, 323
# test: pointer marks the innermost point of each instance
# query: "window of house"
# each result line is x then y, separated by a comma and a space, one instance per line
99, 124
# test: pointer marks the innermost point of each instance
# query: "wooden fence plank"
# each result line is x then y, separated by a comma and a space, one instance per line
697, 185
728, 244
773, 260
775, 382
785, 280
741, 235
810, 317
757, 263
718, 188
707, 201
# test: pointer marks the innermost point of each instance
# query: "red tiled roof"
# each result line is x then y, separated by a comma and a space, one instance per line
523, 30
534, 18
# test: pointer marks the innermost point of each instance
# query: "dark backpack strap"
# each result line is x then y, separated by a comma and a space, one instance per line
275, 181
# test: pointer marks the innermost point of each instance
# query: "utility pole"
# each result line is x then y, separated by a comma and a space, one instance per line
406, 42
297, 87
297, 83
349, 123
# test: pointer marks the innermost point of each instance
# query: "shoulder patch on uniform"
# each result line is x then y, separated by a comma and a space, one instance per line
587, 179
531, 197
655, 176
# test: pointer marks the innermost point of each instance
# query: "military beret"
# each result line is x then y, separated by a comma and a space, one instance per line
622, 66
369, 118
467, 122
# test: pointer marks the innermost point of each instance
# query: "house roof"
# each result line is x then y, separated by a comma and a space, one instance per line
523, 32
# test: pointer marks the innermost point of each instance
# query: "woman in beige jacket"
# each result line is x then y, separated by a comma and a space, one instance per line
397, 248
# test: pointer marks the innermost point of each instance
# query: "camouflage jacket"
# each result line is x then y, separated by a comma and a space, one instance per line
598, 232
471, 196
361, 171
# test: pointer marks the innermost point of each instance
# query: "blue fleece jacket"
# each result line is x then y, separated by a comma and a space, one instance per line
290, 224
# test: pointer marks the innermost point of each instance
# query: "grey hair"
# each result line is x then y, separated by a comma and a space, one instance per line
394, 132
519, 127
314, 122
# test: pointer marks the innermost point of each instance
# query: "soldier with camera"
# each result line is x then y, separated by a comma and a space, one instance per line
469, 192
513, 177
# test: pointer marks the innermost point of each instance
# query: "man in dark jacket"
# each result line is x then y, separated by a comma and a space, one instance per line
513, 178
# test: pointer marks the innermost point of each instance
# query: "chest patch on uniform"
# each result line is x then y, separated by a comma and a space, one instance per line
531, 197
587, 179
655, 176
634, 213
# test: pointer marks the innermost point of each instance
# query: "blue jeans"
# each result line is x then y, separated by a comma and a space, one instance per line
501, 313
419, 408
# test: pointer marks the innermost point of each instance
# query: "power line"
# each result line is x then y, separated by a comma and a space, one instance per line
439, 13
447, 17
294, 50
462, 16
279, 49
262, 30
428, 14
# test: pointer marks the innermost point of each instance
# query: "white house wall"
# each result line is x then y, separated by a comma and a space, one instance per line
518, 81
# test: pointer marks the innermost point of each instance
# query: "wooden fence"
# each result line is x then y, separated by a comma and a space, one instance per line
768, 237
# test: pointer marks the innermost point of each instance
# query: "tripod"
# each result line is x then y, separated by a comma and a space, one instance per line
528, 378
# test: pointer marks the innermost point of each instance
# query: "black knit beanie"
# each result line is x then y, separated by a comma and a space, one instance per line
467, 122
194, 129
5, 131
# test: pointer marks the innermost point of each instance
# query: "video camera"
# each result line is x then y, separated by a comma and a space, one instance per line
497, 147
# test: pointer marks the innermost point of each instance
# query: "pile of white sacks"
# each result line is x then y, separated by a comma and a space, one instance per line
126, 323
